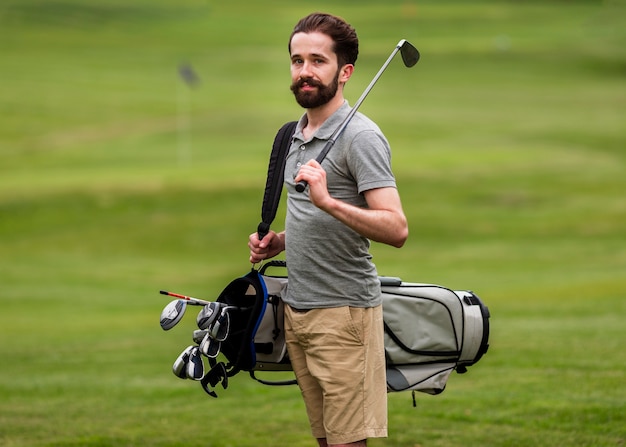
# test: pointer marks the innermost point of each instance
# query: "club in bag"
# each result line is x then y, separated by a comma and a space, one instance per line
221, 326
195, 366
410, 56
209, 314
210, 347
179, 368
172, 314
198, 335
188, 299
215, 317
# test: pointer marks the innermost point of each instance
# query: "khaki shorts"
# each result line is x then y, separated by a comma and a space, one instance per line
339, 361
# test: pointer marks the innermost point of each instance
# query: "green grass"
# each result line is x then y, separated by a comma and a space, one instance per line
117, 180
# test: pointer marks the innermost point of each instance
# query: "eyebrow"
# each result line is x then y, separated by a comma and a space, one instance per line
313, 55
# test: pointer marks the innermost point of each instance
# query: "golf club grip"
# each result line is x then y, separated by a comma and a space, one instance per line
175, 295
189, 299
301, 185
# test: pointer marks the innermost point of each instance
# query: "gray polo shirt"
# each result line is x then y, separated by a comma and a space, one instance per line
329, 264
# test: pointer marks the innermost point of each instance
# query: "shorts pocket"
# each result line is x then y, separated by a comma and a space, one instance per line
354, 322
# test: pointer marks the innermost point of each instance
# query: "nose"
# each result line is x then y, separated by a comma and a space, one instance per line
306, 70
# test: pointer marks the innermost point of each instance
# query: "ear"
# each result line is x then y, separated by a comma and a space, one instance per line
345, 73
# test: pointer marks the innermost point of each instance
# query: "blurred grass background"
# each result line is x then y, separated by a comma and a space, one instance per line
118, 179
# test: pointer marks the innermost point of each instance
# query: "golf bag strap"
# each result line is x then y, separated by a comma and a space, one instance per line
275, 172
272, 263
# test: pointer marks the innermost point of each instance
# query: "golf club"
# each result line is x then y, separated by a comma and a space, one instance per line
216, 320
189, 299
208, 314
179, 368
210, 347
199, 334
172, 314
195, 366
221, 327
410, 56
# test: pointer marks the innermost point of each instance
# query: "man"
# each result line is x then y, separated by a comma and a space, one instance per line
333, 312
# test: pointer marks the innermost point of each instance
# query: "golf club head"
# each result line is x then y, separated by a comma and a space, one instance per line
195, 366
199, 334
221, 327
208, 314
179, 368
210, 347
409, 53
172, 314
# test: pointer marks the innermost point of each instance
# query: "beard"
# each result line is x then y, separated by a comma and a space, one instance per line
313, 99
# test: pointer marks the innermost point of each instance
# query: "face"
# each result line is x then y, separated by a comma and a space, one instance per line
315, 73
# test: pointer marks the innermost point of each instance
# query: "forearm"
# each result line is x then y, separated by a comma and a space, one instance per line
387, 226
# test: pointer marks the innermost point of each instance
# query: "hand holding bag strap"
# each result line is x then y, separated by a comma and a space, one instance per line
275, 173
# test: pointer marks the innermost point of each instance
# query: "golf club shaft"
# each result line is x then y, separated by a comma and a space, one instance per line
301, 185
191, 300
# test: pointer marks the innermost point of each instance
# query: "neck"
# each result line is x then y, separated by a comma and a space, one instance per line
317, 116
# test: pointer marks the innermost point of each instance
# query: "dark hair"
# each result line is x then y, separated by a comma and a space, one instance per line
346, 42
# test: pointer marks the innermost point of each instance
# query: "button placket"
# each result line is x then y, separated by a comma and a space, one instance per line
299, 160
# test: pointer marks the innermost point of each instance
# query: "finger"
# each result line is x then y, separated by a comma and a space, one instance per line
254, 243
313, 163
304, 173
255, 258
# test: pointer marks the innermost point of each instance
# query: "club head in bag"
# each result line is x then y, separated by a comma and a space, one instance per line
199, 334
409, 53
210, 347
195, 366
179, 368
208, 314
172, 314
221, 326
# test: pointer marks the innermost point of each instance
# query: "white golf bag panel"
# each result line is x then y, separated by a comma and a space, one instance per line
429, 332
269, 340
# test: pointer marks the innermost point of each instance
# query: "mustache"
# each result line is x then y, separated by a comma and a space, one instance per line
309, 81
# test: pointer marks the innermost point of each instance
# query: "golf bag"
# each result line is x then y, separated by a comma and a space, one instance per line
430, 331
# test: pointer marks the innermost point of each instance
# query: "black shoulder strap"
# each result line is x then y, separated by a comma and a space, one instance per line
275, 172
